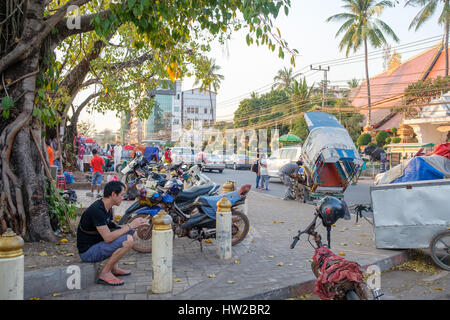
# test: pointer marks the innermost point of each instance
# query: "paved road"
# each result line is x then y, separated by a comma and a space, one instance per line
358, 193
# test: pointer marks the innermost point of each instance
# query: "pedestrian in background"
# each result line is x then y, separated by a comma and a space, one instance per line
255, 169
49, 151
97, 173
264, 173
80, 157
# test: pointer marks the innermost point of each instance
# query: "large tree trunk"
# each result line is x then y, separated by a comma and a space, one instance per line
23, 205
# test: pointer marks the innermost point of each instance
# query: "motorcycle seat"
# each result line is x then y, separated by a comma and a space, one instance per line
192, 193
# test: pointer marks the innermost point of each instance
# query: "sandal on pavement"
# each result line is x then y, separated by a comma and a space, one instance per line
122, 272
110, 282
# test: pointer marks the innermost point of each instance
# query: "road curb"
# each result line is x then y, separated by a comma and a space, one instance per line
48, 281
307, 287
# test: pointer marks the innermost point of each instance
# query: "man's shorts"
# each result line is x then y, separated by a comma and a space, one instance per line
102, 250
97, 179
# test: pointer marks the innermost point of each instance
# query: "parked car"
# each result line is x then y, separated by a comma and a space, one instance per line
185, 155
210, 162
281, 157
223, 154
238, 161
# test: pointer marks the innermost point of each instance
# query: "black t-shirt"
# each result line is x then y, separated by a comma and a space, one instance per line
94, 216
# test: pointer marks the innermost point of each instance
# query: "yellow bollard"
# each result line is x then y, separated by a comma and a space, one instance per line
223, 229
11, 266
162, 253
229, 186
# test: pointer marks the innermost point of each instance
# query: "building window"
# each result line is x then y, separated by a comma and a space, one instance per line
196, 110
178, 96
176, 109
206, 110
176, 121
212, 111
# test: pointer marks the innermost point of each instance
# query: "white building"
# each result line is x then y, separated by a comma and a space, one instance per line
199, 108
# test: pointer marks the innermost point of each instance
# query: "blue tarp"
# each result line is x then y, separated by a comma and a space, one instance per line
150, 151
417, 170
233, 197
321, 119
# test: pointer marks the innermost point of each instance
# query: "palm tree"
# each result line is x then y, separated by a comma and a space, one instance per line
354, 83
212, 80
428, 9
283, 79
300, 93
362, 25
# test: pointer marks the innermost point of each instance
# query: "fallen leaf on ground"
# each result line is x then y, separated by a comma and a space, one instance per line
70, 254
343, 244
309, 260
31, 266
63, 240
34, 298
43, 254
358, 243
212, 275
271, 256
440, 289
237, 261
230, 281
341, 254
176, 280
362, 234
56, 294
129, 263
280, 264
208, 241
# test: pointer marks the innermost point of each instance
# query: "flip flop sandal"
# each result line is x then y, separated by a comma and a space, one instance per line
110, 282
122, 273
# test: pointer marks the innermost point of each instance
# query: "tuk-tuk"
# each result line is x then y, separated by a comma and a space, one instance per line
330, 159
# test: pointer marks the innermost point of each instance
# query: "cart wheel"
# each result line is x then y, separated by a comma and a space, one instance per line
440, 250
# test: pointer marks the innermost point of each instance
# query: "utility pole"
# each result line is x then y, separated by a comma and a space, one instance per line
324, 82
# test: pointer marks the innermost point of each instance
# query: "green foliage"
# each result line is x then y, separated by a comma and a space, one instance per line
59, 208
381, 137
423, 91
300, 128
254, 110
388, 140
364, 139
394, 131
6, 105
396, 140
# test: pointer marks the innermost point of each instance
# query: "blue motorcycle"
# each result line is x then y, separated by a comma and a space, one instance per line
199, 224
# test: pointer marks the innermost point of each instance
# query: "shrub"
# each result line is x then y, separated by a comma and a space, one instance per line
381, 137
388, 140
396, 140
364, 139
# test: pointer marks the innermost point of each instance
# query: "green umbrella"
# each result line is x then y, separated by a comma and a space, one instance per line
289, 138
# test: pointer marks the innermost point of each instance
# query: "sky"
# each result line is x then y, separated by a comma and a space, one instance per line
251, 68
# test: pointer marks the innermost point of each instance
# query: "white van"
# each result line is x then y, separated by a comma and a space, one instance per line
281, 157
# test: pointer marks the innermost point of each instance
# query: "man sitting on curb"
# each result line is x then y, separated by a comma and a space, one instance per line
99, 238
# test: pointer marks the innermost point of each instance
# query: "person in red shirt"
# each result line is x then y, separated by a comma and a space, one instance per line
49, 151
97, 173
168, 156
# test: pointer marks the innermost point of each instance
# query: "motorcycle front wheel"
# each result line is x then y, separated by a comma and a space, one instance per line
240, 225
143, 240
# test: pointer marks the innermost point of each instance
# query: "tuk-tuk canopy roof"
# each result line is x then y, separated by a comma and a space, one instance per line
321, 119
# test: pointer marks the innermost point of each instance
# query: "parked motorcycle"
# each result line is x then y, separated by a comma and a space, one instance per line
136, 169
199, 225
337, 278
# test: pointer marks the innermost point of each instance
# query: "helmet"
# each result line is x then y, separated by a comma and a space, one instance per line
174, 186
331, 209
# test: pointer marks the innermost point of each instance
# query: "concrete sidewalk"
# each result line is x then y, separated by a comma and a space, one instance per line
262, 267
